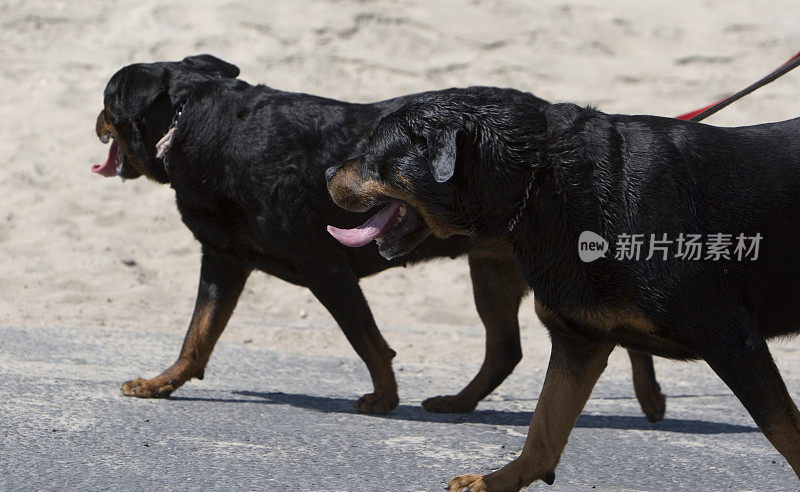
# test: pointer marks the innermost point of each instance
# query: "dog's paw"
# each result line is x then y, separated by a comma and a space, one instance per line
467, 483
149, 388
448, 404
377, 403
654, 406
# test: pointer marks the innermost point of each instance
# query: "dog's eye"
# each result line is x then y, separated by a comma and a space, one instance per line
379, 169
419, 144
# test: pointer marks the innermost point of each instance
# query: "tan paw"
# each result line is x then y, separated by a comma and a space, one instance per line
467, 483
379, 403
149, 388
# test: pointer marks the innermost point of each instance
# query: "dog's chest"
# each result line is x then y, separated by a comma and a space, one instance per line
602, 312
213, 220
229, 229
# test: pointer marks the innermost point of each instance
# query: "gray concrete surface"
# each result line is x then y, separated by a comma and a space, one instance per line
263, 420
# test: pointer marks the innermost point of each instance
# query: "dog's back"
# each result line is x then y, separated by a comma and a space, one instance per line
268, 149
740, 185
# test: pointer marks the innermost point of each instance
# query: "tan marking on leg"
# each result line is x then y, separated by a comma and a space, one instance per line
208, 322
610, 319
647, 390
379, 361
783, 431
204, 330
575, 365
474, 482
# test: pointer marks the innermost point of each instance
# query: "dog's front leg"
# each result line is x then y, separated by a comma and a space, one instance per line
221, 283
575, 365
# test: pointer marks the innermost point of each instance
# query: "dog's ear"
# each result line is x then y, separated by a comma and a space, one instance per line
135, 88
211, 65
442, 152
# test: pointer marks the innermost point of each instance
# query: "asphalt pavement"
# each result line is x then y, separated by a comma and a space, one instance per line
266, 420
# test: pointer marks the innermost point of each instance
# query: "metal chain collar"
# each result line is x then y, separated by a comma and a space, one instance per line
178, 114
163, 145
514, 222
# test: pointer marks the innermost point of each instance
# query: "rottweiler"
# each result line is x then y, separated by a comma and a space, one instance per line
247, 164
554, 180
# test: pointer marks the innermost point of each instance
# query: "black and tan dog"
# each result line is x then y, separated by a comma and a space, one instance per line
247, 164
471, 164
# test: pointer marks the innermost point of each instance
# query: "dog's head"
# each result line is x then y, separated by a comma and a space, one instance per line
139, 102
446, 164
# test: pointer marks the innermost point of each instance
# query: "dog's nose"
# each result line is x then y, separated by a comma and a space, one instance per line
330, 172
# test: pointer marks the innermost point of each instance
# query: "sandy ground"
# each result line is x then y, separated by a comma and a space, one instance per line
77, 250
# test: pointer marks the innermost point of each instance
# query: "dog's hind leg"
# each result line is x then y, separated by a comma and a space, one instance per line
221, 283
498, 288
740, 356
575, 365
647, 389
336, 286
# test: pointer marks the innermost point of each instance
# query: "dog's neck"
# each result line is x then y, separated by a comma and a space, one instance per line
563, 201
500, 193
163, 145
557, 158
523, 202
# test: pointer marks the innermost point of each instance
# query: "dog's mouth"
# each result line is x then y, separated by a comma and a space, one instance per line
397, 229
115, 163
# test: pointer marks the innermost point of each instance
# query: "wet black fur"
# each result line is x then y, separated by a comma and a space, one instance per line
247, 165
615, 174
249, 160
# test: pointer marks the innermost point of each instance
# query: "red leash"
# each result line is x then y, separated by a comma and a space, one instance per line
703, 113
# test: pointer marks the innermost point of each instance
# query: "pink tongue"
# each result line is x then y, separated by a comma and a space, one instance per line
377, 225
109, 169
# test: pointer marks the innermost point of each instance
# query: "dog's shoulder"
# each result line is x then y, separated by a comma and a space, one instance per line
563, 116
